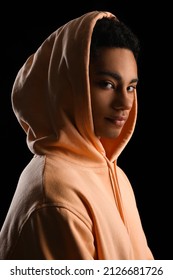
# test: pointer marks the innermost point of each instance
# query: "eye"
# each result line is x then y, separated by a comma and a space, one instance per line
106, 85
131, 88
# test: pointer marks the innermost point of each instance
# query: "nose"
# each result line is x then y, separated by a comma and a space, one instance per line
123, 100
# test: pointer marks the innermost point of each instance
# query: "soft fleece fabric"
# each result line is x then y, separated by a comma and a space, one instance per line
72, 200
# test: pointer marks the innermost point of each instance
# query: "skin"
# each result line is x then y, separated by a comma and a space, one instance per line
113, 82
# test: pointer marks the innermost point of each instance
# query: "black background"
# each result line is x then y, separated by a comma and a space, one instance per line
146, 158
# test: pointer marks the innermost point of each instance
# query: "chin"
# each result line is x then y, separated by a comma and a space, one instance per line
113, 134
109, 134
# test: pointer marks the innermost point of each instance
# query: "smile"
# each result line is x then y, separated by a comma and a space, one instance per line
119, 121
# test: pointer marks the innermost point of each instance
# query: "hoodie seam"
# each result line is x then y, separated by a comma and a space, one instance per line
37, 208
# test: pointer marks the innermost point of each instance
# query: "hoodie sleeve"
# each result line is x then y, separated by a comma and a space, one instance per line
55, 233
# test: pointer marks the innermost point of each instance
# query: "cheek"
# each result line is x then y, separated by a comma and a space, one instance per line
98, 104
131, 101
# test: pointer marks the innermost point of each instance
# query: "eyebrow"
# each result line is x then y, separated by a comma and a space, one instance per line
116, 76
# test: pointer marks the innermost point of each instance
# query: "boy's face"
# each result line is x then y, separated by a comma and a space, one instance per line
113, 81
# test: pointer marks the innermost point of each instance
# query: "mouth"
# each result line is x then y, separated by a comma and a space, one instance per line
117, 121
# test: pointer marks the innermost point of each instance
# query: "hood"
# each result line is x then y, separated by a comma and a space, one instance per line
51, 96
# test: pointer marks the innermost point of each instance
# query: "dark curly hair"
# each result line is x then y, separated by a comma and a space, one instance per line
110, 32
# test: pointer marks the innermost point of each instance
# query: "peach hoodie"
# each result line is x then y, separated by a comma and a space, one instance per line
71, 202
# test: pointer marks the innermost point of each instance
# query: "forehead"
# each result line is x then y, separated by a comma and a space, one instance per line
118, 60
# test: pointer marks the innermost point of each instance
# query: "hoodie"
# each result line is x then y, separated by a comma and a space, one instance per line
72, 201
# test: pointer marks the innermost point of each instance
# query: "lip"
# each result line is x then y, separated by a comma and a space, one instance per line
118, 121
